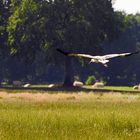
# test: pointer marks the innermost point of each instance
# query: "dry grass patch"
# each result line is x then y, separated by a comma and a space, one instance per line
79, 96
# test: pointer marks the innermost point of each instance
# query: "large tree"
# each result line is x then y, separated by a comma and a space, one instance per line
3, 22
4, 14
72, 25
129, 41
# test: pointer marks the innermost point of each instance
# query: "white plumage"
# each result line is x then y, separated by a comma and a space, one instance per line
99, 59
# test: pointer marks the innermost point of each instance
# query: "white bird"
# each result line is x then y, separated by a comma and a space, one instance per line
99, 59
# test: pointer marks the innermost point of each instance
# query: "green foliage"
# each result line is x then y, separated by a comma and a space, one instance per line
36, 25
125, 71
24, 37
3, 22
90, 80
77, 25
44, 25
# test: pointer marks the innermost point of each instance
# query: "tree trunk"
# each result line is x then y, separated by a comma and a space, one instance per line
68, 78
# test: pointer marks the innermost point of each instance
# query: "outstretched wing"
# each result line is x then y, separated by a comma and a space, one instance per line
78, 55
109, 56
82, 55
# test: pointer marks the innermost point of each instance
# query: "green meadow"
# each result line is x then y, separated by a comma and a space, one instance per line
69, 116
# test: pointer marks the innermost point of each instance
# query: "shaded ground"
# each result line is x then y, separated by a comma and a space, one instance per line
36, 88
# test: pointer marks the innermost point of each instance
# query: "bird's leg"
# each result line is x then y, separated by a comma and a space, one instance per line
105, 65
90, 61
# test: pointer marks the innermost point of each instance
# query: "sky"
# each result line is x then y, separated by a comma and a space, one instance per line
129, 6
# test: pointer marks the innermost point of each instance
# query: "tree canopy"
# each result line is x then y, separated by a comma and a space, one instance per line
74, 25
71, 24
31, 30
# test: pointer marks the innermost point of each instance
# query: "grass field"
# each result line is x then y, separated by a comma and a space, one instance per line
75, 116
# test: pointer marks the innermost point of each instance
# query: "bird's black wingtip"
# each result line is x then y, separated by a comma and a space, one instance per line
62, 52
133, 53
136, 52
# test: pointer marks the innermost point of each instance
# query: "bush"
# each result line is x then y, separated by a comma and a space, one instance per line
90, 80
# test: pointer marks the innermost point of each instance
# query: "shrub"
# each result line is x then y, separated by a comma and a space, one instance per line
90, 80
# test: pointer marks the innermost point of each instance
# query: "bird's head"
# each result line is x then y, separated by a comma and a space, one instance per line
92, 61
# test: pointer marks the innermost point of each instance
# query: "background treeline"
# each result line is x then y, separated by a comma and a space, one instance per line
31, 30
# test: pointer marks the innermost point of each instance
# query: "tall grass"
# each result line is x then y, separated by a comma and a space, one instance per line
69, 116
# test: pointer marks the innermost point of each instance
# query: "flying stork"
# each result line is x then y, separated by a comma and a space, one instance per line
98, 59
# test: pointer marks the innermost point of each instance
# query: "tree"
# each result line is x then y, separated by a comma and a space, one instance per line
3, 22
125, 71
73, 25
4, 14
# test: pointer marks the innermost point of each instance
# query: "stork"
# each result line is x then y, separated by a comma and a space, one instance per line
104, 59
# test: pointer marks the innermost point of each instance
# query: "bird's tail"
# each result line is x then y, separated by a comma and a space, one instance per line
62, 52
